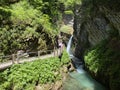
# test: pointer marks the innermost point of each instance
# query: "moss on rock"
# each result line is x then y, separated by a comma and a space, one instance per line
103, 61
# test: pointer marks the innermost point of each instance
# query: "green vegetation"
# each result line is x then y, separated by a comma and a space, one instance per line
30, 24
68, 12
70, 3
24, 24
103, 62
65, 59
26, 76
66, 29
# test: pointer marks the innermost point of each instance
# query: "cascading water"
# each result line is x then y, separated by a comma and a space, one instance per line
79, 80
76, 61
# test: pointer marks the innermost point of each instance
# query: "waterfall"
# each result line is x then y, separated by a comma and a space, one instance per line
69, 46
81, 78
76, 61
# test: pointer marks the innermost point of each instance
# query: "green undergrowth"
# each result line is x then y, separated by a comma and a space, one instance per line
26, 76
103, 61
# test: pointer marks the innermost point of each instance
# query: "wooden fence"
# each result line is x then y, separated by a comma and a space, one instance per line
16, 57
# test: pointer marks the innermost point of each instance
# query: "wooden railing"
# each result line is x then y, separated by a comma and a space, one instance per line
17, 57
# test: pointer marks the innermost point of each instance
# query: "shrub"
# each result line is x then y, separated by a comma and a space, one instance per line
27, 75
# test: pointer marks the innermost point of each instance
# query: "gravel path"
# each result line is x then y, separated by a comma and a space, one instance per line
29, 59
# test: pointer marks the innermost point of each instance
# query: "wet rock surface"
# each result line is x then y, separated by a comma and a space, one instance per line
96, 21
91, 27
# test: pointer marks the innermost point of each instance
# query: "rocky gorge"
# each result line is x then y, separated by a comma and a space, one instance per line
97, 39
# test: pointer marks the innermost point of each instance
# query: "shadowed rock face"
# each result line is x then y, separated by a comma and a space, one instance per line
93, 24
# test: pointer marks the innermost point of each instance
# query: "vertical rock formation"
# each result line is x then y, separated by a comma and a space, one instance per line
92, 24
95, 21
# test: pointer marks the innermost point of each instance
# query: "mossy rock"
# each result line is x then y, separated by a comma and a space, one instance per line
103, 62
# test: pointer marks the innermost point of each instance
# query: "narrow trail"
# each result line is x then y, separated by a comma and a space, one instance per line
29, 59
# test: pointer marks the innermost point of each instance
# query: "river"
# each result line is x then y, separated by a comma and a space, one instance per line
79, 79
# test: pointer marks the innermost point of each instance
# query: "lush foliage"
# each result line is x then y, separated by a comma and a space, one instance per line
70, 3
25, 23
26, 76
103, 61
66, 29
65, 59
68, 12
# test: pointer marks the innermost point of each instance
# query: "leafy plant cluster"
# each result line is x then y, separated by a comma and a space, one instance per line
103, 61
70, 3
26, 23
31, 24
65, 58
26, 76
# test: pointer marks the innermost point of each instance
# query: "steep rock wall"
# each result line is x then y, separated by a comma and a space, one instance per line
93, 24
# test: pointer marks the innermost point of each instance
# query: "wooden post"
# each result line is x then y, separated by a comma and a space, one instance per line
18, 57
54, 51
38, 53
45, 52
59, 51
13, 58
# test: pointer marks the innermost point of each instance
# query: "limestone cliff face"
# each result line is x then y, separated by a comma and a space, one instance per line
93, 23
